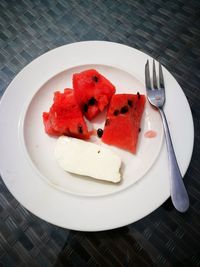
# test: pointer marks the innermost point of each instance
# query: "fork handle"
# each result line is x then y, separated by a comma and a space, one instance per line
178, 192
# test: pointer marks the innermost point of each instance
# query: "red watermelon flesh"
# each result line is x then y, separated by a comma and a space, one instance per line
92, 91
123, 121
65, 117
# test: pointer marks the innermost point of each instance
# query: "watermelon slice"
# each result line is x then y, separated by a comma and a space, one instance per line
65, 117
92, 91
123, 121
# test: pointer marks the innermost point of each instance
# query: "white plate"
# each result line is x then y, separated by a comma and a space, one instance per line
39, 148
27, 163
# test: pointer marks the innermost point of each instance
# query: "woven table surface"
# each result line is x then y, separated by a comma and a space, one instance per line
167, 30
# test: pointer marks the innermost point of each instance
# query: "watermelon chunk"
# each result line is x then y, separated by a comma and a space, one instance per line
92, 91
65, 117
123, 121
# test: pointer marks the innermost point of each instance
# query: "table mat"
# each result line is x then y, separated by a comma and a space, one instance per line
167, 30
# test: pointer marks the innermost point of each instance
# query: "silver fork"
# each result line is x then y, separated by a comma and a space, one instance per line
156, 96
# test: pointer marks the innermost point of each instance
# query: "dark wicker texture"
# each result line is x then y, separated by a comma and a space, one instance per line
167, 30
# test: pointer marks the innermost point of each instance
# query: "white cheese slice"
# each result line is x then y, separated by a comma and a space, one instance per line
85, 158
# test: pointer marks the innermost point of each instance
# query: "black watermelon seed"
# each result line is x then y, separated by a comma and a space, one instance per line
138, 94
80, 129
95, 79
116, 112
99, 132
107, 122
139, 130
124, 109
91, 101
85, 108
130, 103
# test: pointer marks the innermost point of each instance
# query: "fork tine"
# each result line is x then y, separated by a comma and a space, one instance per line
155, 84
147, 76
161, 78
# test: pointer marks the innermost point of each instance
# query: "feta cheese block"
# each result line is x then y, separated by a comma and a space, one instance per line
89, 159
